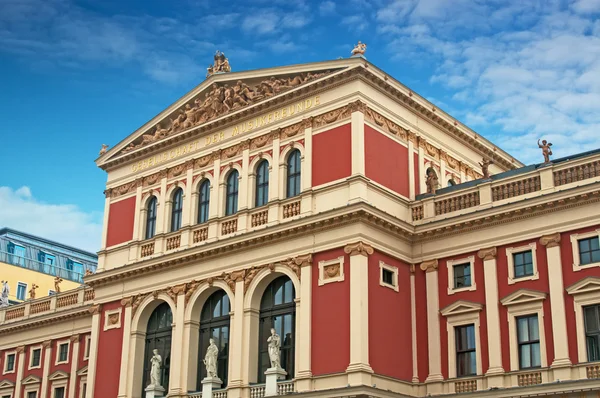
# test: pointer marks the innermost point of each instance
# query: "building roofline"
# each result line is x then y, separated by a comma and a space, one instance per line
5, 230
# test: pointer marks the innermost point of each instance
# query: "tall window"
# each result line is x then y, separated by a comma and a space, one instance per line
466, 362
589, 251
59, 392
21, 290
10, 363
214, 323
158, 336
151, 218
523, 264
32, 394
176, 209
35, 357
462, 275
528, 334
278, 311
591, 316
203, 202
293, 174
63, 352
262, 184
231, 200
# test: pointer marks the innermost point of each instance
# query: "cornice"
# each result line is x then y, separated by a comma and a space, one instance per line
45, 320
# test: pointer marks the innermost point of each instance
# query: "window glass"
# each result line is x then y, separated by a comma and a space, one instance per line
591, 317
35, 357
214, 323
466, 359
523, 263
462, 275
176, 210
231, 201
203, 202
387, 276
21, 291
589, 251
293, 174
32, 394
10, 362
151, 218
529, 341
59, 392
63, 351
262, 184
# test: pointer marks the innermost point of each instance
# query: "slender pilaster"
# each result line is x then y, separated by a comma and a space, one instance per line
47, 347
125, 347
359, 371
443, 157
490, 273
420, 170
20, 368
304, 373
137, 214
413, 321
358, 141
557, 307
306, 185
74, 364
433, 326
243, 197
186, 216
95, 336
105, 221
237, 337
176, 389
411, 170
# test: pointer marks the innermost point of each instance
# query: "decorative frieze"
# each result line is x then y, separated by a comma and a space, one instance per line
332, 116
385, 124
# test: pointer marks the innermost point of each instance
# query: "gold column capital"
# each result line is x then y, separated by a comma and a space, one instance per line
550, 240
429, 266
357, 248
487, 254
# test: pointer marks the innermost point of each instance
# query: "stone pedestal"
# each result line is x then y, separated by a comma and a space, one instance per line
273, 374
209, 384
154, 391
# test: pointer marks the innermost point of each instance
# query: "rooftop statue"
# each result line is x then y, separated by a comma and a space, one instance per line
432, 180
485, 167
5, 292
57, 282
103, 149
32, 291
359, 49
221, 65
546, 150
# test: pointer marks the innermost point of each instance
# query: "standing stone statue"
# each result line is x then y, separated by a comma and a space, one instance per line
156, 361
274, 349
546, 150
485, 167
5, 293
210, 359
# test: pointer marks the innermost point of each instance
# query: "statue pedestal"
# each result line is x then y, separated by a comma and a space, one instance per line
209, 384
154, 391
273, 374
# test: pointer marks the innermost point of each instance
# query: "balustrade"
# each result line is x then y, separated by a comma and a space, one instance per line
147, 249
593, 371
15, 313
291, 209
173, 242
67, 300
200, 235
455, 203
529, 379
259, 218
417, 213
40, 306
229, 226
577, 173
516, 188
465, 386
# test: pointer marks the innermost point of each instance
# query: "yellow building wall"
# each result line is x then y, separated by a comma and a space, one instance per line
14, 274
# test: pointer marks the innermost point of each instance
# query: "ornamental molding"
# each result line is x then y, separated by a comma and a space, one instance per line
42, 321
74, 338
429, 266
358, 248
31, 379
461, 307
550, 240
47, 344
523, 296
20, 349
586, 285
487, 254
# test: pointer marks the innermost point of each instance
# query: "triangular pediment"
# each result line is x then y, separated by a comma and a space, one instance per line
522, 296
461, 307
31, 380
587, 285
83, 371
58, 375
6, 384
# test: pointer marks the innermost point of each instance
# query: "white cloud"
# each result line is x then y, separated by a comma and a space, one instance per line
587, 6
64, 223
356, 22
327, 8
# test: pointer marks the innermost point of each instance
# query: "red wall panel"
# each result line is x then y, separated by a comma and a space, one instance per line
422, 330
120, 222
386, 161
63, 367
330, 350
332, 155
390, 321
39, 372
417, 173
108, 362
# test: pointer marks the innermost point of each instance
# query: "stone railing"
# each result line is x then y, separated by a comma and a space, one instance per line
47, 305
173, 242
285, 387
529, 379
291, 209
219, 393
229, 226
455, 203
577, 173
465, 386
417, 213
200, 235
257, 391
147, 249
516, 188
259, 218
593, 371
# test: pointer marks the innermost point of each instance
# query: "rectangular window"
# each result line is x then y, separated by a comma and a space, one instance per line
589, 251
466, 363
462, 275
32, 394
35, 357
591, 317
10, 363
21, 290
387, 276
83, 390
49, 259
523, 263
528, 335
59, 392
63, 352
86, 353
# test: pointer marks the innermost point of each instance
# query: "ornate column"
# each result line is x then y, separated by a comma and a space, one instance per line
74, 364
413, 320
495, 371
47, 347
358, 137
303, 340
433, 325
96, 311
237, 284
359, 371
126, 302
176, 388
557, 307
20, 365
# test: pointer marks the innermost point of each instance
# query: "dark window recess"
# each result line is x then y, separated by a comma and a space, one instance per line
158, 336
387, 277
462, 275
591, 316
293, 174
176, 210
466, 359
528, 336
523, 263
262, 184
32, 394
151, 218
10, 362
589, 251
35, 357
204, 202
59, 392
231, 200
63, 352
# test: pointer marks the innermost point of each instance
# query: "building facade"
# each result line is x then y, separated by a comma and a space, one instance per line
331, 203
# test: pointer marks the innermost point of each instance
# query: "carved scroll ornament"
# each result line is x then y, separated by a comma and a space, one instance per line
358, 248
487, 254
429, 266
550, 240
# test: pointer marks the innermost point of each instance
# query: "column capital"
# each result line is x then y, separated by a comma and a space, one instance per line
74, 338
47, 343
357, 106
360, 247
429, 266
487, 254
95, 309
127, 301
20, 349
304, 260
550, 240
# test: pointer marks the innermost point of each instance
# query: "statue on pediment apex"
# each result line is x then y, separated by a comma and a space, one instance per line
103, 149
359, 49
221, 64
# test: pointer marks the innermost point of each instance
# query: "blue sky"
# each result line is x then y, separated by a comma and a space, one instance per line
77, 74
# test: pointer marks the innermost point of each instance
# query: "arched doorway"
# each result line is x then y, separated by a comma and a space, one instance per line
214, 323
158, 336
278, 311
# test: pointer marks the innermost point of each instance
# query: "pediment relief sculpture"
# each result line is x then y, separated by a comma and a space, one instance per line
219, 100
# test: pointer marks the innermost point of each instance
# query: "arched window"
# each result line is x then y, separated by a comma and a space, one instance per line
176, 209
214, 323
231, 200
158, 336
151, 218
262, 183
278, 311
293, 174
203, 202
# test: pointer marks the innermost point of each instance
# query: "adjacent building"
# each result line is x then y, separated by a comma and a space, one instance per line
333, 204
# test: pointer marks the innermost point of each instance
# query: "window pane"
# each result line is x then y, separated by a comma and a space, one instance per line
592, 348
525, 352
471, 337
528, 257
535, 355
596, 256
591, 318
279, 295
522, 330
519, 271
586, 258
595, 244
473, 363
584, 245
534, 332
529, 269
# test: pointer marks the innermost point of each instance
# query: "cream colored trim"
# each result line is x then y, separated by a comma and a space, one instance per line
31, 388
58, 383
585, 292
358, 142
323, 264
394, 271
575, 247
7, 389
467, 316
511, 267
107, 315
31, 349
74, 364
450, 265
433, 323
82, 382
525, 302
413, 320
14, 369
86, 347
95, 334
58, 344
